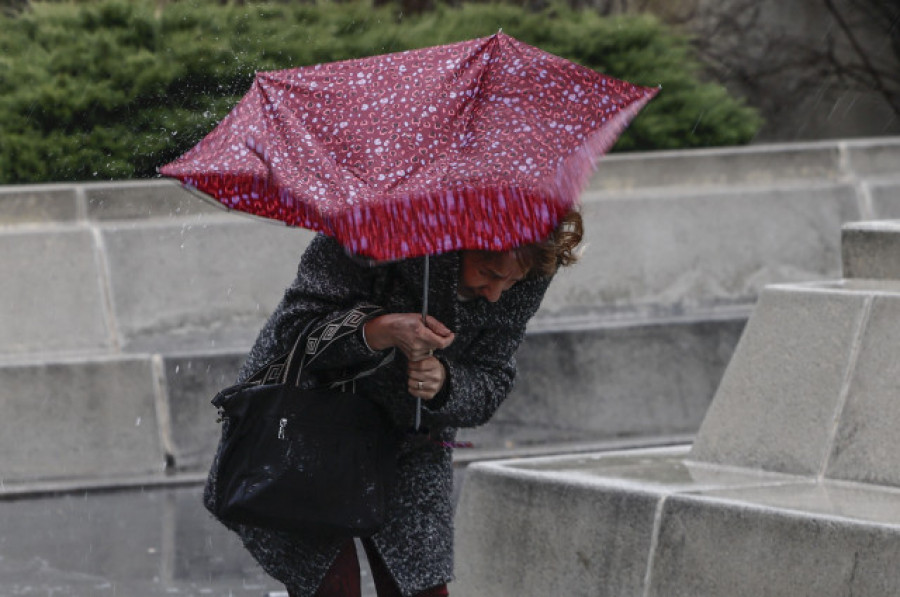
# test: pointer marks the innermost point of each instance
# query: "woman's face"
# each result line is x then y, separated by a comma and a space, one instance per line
487, 274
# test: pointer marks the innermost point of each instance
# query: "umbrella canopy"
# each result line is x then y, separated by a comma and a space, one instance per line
482, 144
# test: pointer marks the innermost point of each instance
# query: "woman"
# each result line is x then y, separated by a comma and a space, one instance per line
459, 362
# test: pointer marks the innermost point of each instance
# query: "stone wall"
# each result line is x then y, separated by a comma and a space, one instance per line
128, 304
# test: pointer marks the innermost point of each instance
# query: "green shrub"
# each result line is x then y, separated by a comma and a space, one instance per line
109, 89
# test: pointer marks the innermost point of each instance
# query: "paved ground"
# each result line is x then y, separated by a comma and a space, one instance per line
127, 544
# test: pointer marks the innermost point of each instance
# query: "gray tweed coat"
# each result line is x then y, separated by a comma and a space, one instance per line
416, 543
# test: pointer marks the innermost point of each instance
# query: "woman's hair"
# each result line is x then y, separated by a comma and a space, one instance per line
557, 250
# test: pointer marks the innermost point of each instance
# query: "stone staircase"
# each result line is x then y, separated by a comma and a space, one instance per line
128, 304
791, 488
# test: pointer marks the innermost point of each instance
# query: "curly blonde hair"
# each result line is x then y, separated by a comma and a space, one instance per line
557, 250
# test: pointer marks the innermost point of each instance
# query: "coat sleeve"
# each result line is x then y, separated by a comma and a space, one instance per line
479, 381
332, 294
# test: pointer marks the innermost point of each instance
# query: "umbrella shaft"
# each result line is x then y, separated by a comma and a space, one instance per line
424, 318
425, 291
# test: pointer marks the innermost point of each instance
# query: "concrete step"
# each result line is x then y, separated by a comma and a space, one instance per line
647, 523
103, 416
138, 289
117, 280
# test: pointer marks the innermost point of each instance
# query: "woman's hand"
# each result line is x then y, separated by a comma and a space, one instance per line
426, 378
409, 334
417, 340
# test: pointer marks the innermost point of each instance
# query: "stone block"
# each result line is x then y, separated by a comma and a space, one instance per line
885, 197
661, 254
762, 164
573, 525
191, 382
128, 200
208, 285
52, 298
86, 418
866, 447
798, 539
581, 383
776, 406
871, 250
517, 534
873, 157
37, 204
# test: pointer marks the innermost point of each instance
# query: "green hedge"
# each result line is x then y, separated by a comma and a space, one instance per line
110, 89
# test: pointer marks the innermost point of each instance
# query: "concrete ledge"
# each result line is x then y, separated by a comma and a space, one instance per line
873, 157
714, 167
580, 382
80, 419
870, 249
38, 204
885, 198
648, 523
519, 534
568, 525
140, 199
803, 539
660, 253
52, 298
749, 166
192, 380
205, 285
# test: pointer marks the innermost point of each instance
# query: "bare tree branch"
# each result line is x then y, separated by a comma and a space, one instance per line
877, 82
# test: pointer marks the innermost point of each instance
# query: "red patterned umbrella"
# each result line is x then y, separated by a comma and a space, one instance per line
482, 144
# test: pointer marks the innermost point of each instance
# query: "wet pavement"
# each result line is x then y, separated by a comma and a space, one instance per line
126, 544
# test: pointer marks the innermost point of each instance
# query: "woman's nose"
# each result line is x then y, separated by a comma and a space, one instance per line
491, 292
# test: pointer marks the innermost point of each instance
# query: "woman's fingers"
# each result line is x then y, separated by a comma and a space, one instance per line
437, 327
425, 378
407, 332
418, 340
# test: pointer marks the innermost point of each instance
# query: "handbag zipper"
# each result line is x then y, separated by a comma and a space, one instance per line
281, 425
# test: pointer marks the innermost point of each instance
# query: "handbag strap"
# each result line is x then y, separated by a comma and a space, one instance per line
311, 344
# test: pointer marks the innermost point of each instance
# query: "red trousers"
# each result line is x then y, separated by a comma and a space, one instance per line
342, 579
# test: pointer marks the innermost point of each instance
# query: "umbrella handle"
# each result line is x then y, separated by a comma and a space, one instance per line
424, 318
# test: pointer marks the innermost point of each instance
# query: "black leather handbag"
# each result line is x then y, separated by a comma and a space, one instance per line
318, 460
